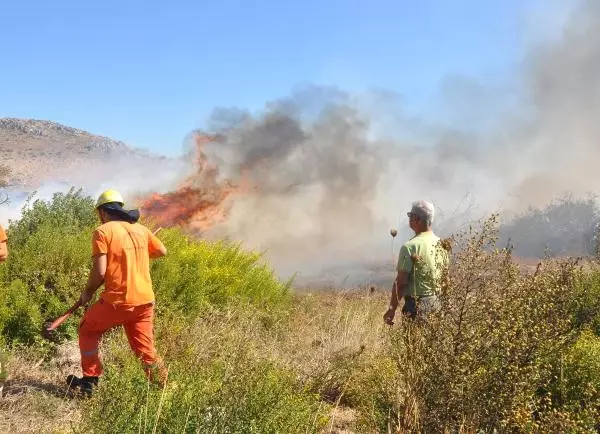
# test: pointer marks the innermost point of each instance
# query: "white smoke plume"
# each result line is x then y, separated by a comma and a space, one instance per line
129, 174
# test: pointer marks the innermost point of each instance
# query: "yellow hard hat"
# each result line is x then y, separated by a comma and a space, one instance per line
110, 196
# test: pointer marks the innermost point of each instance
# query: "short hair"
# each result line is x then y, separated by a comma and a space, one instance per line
424, 211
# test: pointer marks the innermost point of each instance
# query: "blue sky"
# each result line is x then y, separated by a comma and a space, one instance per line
148, 72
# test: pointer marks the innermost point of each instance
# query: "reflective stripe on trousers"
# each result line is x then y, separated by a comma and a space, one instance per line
101, 317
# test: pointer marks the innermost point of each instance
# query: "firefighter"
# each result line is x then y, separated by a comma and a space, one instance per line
121, 249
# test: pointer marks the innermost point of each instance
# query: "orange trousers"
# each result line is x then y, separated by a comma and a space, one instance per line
138, 324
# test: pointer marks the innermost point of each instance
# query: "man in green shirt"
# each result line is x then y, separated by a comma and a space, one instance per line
421, 263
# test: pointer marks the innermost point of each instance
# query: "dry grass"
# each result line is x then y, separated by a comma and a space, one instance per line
324, 323
34, 397
319, 326
335, 341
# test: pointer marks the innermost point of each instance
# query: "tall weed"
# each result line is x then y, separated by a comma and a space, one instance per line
219, 381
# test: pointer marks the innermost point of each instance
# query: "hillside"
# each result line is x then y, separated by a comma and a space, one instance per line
37, 151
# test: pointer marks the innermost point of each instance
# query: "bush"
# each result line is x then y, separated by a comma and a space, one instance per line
49, 260
586, 301
51, 256
576, 389
486, 362
50, 245
196, 275
20, 315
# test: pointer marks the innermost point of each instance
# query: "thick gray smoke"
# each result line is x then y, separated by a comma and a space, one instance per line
330, 184
313, 175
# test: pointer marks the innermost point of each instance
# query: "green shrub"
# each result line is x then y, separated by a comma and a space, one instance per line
197, 274
71, 212
50, 254
586, 301
576, 388
49, 260
20, 316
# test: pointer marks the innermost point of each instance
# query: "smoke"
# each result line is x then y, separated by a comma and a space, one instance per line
131, 174
316, 179
326, 187
331, 172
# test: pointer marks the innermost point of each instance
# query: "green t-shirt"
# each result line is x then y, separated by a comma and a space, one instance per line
424, 278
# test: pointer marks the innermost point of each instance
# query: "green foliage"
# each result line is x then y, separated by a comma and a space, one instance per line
50, 245
576, 388
50, 257
198, 274
586, 301
19, 314
48, 264
69, 212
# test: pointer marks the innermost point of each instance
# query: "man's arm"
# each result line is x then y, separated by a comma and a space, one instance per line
398, 288
159, 252
3, 251
401, 283
156, 249
405, 263
95, 278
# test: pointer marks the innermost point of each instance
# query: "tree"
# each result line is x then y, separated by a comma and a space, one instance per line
4, 180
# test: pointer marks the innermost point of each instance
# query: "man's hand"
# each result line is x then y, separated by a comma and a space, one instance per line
86, 297
388, 317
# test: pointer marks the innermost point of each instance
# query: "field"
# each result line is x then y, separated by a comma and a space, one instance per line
515, 348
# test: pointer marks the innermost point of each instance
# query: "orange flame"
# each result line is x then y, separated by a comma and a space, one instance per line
200, 202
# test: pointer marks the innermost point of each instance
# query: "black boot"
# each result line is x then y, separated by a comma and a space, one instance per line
84, 384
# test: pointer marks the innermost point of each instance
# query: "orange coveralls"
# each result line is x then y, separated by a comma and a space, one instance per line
127, 299
3, 246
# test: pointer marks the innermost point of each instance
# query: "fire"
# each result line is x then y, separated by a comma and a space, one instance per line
201, 201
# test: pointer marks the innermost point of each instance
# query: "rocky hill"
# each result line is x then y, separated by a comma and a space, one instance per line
37, 151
